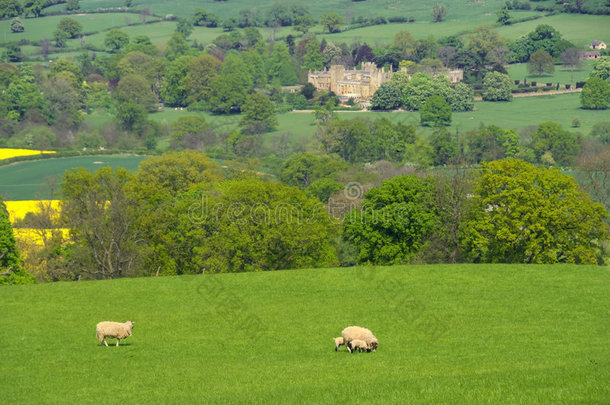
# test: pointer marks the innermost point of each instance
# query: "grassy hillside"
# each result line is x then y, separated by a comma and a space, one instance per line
25, 180
448, 334
420, 9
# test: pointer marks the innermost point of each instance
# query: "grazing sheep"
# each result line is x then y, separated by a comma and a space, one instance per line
338, 342
116, 330
357, 332
358, 344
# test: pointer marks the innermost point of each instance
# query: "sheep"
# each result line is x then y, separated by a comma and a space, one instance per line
358, 344
357, 332
338, 342
116, 330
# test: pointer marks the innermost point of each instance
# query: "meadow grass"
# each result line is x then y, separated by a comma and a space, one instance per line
518, 71
300, 126
447, 333
577, 28
384, 34
43, 27
420, 9
29, 180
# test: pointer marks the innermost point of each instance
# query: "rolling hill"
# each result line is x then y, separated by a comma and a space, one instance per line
448, 334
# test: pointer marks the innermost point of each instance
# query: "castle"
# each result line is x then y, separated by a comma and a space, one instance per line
359, 84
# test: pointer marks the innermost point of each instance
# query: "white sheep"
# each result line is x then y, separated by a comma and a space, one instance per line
338, 342
358, 344
116, 330
357, 332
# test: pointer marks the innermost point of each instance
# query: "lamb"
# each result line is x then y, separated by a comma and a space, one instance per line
357, 332
338, 342
116, 330
358, 344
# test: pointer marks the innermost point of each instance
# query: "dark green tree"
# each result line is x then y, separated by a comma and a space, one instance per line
394, 221
551, 138
304, 169
115, 40
540, 62
258, 114
435, 111
250, 225
443, 145
67, 28
332, 22
10, 8
228, 93
189, 131
504, 16
387, 97
11, 269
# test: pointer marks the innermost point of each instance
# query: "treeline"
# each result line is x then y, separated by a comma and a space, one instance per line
181, 213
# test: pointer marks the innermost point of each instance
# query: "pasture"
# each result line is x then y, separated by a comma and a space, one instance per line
29, 180
448, 334
577, 28
518, 71
420, 29
420, 9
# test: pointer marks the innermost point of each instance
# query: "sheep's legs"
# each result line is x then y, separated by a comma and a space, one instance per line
104, 341
117, 341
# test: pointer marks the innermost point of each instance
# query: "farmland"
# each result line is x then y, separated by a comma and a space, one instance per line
453, 333
29, 180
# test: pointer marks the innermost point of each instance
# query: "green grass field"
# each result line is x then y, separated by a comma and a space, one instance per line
39, 28
576, 28
420, 9
420, 29
518, 114
518, 71
448, 334
28, 180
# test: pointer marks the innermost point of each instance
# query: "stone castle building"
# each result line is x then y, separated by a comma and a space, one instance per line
359, 84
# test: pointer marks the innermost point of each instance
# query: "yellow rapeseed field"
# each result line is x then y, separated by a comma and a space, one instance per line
34, 236
18, 209
7, 153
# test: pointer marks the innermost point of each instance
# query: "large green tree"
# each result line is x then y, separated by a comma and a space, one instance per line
258, 114
553, 144
201, 71
540, 62
305, 168
526, 214
250, 225
115, 40
435, 111
228, 93
394, 221
10, 8
331, 21
496, 87
11, 269
67, 28
101, 215
387, 97
595, 94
